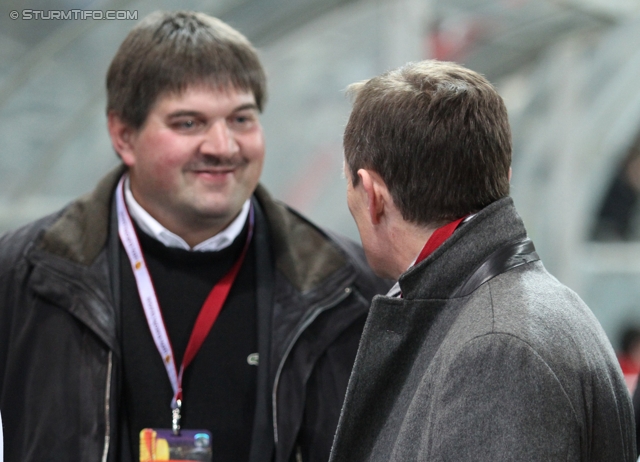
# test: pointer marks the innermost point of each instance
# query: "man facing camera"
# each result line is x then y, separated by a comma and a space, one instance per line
478, 353
178, 311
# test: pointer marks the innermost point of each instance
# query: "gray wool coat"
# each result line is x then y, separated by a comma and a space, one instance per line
519, 370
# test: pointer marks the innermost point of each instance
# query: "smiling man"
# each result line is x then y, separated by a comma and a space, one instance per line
179, 310
196, 160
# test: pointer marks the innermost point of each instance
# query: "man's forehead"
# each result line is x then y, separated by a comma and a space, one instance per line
202, 94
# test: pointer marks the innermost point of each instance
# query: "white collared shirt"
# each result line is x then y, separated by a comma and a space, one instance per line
153, 228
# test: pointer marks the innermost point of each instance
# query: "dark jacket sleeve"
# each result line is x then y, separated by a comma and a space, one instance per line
325, 393
636, 411
327, 385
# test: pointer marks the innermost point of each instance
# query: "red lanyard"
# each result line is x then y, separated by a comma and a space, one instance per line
206, 318
437, 238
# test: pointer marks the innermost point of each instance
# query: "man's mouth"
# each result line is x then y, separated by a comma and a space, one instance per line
215, 168
215, 171
214, 175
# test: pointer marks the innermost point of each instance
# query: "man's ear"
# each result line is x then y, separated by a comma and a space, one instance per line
377, 194
122, 136
510, 172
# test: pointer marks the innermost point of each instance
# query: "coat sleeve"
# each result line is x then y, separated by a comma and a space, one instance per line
499, 400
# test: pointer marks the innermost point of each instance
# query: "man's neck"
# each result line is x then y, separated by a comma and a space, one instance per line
209, 237
406, 241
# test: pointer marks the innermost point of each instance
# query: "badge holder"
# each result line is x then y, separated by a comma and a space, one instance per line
162, 445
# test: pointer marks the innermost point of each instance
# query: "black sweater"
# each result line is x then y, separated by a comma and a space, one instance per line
219, 387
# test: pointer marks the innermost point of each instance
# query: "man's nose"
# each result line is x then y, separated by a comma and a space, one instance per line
219, 140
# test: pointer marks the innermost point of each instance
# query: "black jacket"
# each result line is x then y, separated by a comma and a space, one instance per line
60, 359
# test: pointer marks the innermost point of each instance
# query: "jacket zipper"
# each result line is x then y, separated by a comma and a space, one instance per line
307, 322
107, 401
107, 405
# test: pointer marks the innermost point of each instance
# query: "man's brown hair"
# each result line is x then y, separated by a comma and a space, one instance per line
169, 51
438, 135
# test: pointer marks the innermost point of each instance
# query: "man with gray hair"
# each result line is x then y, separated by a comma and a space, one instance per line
478, 353
178, 311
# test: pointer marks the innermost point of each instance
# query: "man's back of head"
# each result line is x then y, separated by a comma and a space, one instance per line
437, 133
477, 353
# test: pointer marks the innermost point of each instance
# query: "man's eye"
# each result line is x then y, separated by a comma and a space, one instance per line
242, 121
184, 124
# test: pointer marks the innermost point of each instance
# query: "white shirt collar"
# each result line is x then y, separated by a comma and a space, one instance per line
153, 228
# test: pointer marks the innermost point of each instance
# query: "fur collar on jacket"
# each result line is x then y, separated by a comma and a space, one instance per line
303, 253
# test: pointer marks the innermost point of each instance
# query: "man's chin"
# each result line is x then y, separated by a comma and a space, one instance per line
219, 211
213, 205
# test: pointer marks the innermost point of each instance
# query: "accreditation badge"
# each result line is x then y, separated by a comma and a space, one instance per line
160, 444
